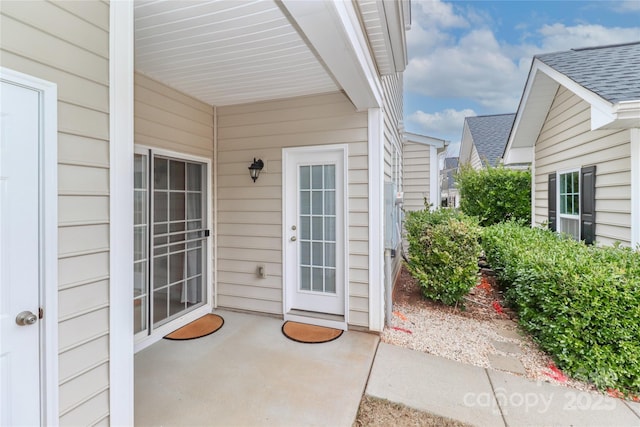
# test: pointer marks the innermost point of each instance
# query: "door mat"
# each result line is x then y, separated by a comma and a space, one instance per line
206, 325
309, 334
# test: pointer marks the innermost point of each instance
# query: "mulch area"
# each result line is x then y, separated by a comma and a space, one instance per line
484, 302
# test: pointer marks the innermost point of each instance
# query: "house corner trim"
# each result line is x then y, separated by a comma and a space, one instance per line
376, 225
121, 396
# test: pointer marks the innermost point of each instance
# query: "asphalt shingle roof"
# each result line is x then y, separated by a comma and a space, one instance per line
490, 135
612, 72
451, 162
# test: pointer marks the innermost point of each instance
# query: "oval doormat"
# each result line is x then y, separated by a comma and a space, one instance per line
206, 325
309, 334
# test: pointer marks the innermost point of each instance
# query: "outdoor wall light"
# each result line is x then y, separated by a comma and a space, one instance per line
255, 168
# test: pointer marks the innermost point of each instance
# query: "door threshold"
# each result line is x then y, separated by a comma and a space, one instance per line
319, 319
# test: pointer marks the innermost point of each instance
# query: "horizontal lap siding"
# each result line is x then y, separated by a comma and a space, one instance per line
250, 214
393, 111
67, 43
566, 142
416, 175
170, 120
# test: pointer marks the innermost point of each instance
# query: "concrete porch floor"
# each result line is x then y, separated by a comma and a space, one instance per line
249, 374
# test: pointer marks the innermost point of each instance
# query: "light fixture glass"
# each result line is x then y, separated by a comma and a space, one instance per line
255, 168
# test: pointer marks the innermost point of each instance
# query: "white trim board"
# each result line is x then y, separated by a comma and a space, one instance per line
635, 188
121, 395
48, 94
377, 280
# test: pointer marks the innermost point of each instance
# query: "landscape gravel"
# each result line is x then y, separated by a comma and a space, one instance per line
466, 335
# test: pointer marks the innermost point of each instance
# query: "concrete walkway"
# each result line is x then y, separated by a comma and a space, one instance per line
249, 374
486, 397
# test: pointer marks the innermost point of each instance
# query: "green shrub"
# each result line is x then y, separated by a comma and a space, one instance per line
581, 303
495, 195
443, 253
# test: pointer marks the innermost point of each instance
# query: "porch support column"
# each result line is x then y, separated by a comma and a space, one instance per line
121, 213
377, 280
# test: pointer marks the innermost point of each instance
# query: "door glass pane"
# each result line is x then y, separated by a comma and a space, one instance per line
160, 206
160, 305
330, 280
317, 228
176, 267
194, 291
194, 177
318, 279
176, 175
194, 206
305, 278
305, 177
316, 177
329, 177
140, 243
139, 314
160, 173
160, 271
176, 301
176, 206
316, 203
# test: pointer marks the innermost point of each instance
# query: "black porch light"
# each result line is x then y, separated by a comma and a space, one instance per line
255, 168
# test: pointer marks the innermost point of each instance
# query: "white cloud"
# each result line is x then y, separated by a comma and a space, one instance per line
477, 67
432, 13
626, 6
445, 124
454, 53
558, 37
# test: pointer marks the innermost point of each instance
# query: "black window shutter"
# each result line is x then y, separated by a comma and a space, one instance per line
588, 204
552, 214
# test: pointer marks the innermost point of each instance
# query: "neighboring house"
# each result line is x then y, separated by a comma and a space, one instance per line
484, 139
579, 125
127, 205
420, 173
448, 189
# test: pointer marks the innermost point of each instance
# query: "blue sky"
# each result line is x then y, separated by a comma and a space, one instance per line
469, 58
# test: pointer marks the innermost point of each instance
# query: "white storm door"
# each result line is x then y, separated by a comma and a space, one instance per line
314, 231
20, 389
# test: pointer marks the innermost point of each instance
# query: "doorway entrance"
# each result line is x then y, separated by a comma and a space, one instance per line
170, 239
315, 231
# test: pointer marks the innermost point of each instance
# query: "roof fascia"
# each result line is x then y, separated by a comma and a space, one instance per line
425, 140
333, 29
394, 17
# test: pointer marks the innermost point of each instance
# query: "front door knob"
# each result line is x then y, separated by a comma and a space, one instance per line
26, 318
293, 238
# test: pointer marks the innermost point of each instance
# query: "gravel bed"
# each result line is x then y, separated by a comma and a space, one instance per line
465, 336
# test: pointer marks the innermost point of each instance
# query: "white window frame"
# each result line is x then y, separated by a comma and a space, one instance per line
208, 306
559, 213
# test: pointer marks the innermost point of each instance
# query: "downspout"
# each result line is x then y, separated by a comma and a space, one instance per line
388, 286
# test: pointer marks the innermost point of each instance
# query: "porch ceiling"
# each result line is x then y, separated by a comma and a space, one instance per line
225, 52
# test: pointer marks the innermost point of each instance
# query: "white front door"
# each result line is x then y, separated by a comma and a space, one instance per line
314, 229
20, 256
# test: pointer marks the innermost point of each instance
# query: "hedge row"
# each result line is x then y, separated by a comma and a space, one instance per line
495, 194
443, 253
581, 303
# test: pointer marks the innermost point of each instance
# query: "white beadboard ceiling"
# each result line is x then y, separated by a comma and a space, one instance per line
226, 52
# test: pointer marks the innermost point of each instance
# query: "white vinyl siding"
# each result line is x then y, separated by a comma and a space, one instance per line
393, 113
171, 120
476, 162
417, 162
250, 214
566, 142
67, 43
